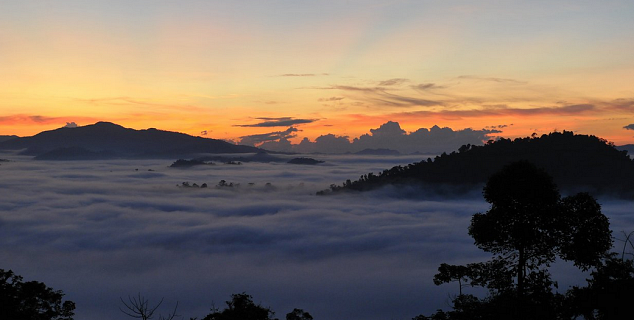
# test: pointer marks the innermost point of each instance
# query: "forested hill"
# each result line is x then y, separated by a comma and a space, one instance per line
576, 162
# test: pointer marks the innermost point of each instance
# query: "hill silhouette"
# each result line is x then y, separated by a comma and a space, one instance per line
5, 138
576, 162
108, 140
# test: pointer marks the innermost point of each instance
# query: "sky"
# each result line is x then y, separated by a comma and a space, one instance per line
103, 230
235, 69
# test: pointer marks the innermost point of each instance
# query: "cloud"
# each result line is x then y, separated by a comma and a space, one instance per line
393, 82
381, 96
21, 118
492, 79
629, 127
40, 119
257, 139
330, 99
277, 122
104, 230
388, 136
70, 125
504, 111
426, 86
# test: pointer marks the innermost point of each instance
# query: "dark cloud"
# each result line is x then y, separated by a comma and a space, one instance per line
629, 127
256, 139
499, 126
393, 82
277, 122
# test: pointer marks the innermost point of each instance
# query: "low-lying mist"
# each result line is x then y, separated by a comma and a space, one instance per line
100, 230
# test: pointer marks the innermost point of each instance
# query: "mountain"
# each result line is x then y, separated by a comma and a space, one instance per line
576, 162
5, 138
108, 140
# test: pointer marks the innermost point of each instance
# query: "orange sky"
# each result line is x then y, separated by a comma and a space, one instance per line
237, 69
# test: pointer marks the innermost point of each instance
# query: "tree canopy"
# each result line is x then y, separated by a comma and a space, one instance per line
31, 300
527, 227
241, 307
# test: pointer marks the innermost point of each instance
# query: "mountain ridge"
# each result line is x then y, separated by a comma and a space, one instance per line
113, 140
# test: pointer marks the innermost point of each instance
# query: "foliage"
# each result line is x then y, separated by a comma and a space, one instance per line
31, 300
241, 307
574, 161
609, 293
298, 314
527, 227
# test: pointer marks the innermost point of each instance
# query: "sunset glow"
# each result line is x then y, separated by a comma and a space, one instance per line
230, 69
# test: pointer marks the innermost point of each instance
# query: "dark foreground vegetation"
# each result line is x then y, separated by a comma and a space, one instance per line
576, 162
528, 226
31, 300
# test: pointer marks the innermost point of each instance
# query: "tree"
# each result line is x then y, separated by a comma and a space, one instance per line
241, 307
298, 314
609, 293
527, 227
31, 300
139, 307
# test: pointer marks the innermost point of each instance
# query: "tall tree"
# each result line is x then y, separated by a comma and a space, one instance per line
527, 227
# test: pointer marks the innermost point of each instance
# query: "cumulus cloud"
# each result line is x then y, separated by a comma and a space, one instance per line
629, 127
388, 136
277, 122
70, 125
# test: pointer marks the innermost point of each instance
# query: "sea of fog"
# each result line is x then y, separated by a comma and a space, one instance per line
101, 230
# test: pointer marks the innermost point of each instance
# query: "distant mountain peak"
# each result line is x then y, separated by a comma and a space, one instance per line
101, 138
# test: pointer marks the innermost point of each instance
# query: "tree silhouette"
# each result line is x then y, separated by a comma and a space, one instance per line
31, 300
527, 227
298, 314
139, 308
241, 307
